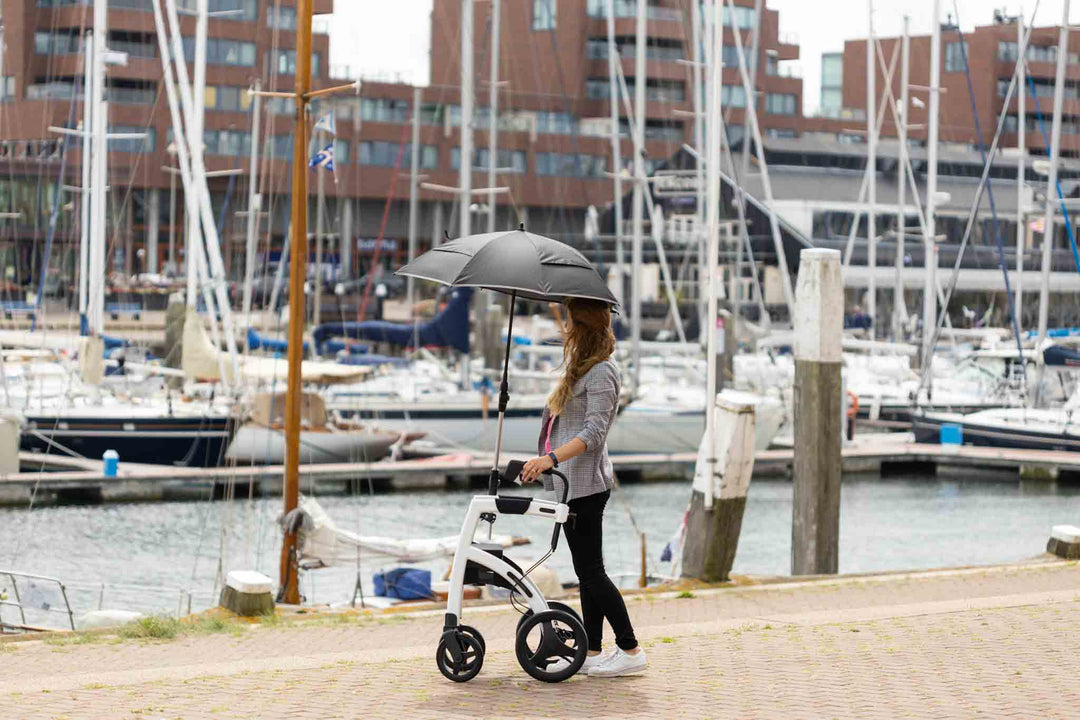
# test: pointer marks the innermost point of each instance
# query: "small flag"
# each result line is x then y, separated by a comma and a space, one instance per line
324, 158
326, 124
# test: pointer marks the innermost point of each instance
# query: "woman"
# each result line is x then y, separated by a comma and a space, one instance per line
573, 438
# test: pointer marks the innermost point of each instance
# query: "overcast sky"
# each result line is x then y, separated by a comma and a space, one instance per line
393, 38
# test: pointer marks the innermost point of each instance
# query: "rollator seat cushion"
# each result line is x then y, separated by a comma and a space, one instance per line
511, 505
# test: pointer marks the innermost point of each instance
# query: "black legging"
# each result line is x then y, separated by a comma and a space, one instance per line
599, 597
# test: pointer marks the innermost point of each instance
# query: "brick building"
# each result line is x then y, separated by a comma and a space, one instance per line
554, 148
991, 52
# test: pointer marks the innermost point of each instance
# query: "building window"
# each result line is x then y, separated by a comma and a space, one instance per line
385, 154
509, 160
554, 123
227, 98
597, 88
744, 17
832, 70
780, 103
832, 101
436, 113
1008, 51
954, 56
1042, 53
132, 145
58, 43
284, 63
733, 96
665, 91
384, 110
223, 52
7, 87
282, 17
237, 9
780, 133
570, 165
544, 14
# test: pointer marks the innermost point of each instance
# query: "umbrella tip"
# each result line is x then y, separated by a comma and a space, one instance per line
521, 226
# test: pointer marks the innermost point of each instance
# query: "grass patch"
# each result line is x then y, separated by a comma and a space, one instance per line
667, 640
153, 627
685, 595
76, 638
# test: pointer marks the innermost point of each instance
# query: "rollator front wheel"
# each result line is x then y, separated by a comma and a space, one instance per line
463, 662
470, 630
547, 637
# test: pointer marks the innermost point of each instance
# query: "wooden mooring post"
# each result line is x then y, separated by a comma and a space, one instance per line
718, 499
819, 327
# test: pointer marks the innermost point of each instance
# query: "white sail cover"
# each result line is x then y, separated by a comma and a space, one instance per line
323, 543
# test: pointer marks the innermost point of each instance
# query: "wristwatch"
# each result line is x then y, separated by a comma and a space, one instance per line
554, 460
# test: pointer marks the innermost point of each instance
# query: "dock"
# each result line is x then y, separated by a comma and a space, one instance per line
57, 479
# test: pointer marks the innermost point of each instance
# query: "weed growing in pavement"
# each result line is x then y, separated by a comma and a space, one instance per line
684, 595
152, 627
76, 638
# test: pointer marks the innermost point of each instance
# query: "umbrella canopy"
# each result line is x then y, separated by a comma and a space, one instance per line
531, 266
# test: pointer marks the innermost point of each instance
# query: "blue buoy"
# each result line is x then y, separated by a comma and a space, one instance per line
952, 434
112, 462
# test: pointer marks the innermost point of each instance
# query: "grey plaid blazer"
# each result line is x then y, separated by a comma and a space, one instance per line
588, 415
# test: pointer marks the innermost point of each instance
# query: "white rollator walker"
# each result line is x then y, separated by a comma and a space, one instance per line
548, 631
522, 265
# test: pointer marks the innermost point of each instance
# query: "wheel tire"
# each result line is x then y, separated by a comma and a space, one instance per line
554, 605
571, 637
472, 661
470, 630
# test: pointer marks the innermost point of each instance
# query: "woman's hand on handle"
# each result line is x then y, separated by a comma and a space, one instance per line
535, 467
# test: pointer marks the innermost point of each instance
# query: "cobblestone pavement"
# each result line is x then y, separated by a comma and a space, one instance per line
991, 642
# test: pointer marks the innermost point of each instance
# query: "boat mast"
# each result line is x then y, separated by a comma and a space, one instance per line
84, 195
493, 114
192, 241
254, 203
899, 310
1021, 166
930, 260
289, 589
1051, 198
616, 151
414, 188
466, 157
871, 171
755, 39
638, 210
715, 74
100, 176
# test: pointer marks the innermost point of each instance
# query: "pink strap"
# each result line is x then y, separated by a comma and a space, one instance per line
547, 435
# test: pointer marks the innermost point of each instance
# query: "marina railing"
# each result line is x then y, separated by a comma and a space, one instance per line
38, 594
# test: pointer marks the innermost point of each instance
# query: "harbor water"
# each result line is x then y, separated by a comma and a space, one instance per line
150, 556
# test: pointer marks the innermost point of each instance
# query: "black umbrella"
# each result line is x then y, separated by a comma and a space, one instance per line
520, 264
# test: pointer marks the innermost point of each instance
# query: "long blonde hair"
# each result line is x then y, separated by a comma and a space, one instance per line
588, 341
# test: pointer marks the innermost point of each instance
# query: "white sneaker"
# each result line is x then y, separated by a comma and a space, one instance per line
591, 661
620, 663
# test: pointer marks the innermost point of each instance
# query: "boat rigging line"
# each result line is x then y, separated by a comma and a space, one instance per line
976, 201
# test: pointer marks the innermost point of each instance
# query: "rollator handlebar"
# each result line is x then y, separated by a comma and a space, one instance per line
514, 468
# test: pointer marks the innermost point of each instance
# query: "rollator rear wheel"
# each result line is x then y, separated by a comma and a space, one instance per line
554, 605
469, 662
544, 638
